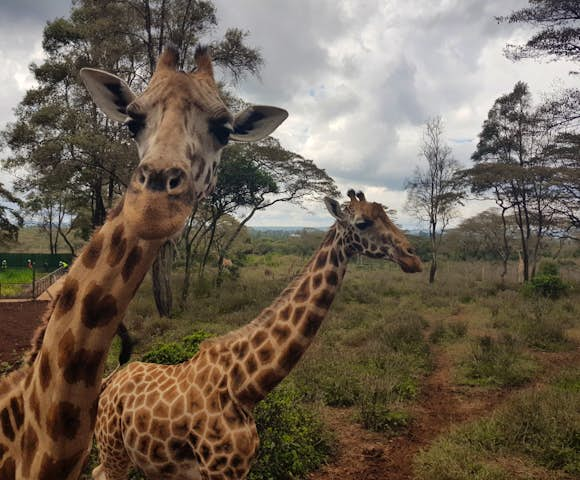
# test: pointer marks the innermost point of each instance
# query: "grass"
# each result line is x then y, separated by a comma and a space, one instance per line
540, 428
15, 281
374, 351
497, 362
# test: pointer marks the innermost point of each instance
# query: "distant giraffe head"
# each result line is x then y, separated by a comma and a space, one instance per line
368, 230
180, 125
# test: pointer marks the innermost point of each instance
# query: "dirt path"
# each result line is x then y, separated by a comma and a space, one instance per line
18, 320
364, 455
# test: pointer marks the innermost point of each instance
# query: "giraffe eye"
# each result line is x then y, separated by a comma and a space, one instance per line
135, 126
364, 224
222, 132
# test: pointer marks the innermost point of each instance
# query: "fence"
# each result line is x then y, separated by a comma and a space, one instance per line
31, 289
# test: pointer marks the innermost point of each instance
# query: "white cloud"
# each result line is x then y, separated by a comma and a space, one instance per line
359, 78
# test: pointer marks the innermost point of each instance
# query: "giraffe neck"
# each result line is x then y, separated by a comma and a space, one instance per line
65, 377
268, 348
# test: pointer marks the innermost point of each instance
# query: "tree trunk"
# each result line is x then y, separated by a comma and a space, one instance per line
161, 274
432, 271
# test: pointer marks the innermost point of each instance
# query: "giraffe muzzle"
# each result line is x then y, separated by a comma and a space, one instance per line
173, 181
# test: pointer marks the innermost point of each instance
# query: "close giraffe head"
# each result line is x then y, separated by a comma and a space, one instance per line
180, 125
368, 230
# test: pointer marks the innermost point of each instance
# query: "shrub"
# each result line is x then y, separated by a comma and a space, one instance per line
549, 286
293, 441
376, 414
541, 325
176, 352
549, 267
166, 353
498, 363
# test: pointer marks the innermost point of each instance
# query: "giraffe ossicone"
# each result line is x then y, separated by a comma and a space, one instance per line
48, 407
194, 420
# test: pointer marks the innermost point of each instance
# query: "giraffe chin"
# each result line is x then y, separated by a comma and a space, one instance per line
151, 221
411, 265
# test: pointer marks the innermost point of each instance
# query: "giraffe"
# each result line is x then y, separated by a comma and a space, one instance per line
48, 408
194, 420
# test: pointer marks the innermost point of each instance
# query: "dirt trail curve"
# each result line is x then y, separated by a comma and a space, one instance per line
364, 455
18, 320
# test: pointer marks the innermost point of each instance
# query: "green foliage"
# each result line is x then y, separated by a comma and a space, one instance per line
176, 352
549, 286
497, 363
549, 267
292, 438
376, 414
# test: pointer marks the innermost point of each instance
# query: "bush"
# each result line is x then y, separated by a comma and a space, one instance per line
376, 414
167, 354
498, 363
293, 441
549, 267
176, 352
549, 286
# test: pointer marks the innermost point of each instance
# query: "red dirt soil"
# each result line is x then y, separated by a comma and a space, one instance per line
18, 320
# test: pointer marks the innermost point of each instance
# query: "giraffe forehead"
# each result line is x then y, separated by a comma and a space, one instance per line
182, 92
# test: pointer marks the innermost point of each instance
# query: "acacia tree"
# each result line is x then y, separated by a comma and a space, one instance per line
491, 233
434, 192
559, 34
251, 178
511, 165
58, 132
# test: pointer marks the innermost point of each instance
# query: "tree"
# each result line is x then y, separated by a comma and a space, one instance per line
251, 178
59, 134
434, 192
559, 35
492, 234
511, 165
10, 220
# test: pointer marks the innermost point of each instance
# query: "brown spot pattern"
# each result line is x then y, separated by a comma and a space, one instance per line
68, 295
93, 251
118, 246
80, 365
291, 356
98, 309
52, 469
7, 425
17, 412
63, 420
8, 469
132, 261
45, 373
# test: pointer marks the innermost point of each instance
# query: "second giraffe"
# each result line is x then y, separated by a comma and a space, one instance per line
194, 420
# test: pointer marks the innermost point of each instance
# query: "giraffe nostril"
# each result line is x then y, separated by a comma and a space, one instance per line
174, 183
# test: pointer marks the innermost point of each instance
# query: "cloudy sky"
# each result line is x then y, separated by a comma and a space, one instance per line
359, 78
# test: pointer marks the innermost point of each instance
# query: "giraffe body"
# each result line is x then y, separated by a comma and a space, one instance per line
197, 416
48, 408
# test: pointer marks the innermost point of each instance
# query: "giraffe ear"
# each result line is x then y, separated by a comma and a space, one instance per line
111, 94
334, 208
257, 122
